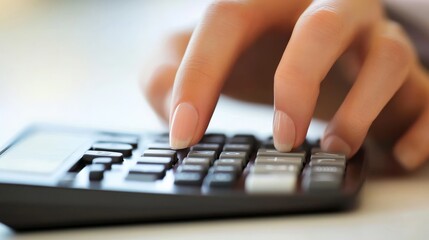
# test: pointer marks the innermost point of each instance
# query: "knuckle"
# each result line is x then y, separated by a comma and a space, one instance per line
325, 22
199, 69
396, 49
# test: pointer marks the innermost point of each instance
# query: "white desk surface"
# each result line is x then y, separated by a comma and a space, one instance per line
77, 63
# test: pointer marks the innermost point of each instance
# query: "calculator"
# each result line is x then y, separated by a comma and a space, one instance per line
53, 176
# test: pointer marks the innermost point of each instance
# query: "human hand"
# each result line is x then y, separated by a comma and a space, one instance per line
388, 85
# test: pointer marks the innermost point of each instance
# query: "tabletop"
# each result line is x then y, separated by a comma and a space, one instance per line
78, 63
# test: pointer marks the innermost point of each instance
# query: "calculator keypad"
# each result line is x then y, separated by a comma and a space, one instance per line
240, 163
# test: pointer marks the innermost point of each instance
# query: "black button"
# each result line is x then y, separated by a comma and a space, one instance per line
207, 147
106, 162
159, 145
166, 161
91, 154
192, 168
213, 138
125, 149
149, 169
221, 179
188, 178
131, 140
161, 153
96, 172
226, 169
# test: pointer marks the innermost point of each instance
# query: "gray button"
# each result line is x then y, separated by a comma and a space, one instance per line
328, 162
279, 160
267, 169
237, 147
239, 155
325, 169
263, 152
322, 182
225, 169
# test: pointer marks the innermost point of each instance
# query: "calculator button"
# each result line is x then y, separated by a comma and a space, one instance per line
131, 140
225, 169
242, 138
271, 183
263, 152
159, 145
106, 162
236, 162
149, 169
325, 169
328, 162
192, 168
96, 172
207, 147
275, 169
239, 155
279, 160
213, 138
89, 156
188, 178
235, 147
166, 161
322, 182
161, 153
221, 179
196, 161
125, 149
211, 155
317, 152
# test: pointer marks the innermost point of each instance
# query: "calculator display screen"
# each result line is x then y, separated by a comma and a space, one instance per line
41, 152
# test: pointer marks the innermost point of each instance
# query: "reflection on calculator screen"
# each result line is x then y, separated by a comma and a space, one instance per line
41, 152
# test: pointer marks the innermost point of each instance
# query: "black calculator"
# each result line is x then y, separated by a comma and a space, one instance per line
54, 177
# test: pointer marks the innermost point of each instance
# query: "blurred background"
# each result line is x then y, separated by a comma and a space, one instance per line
78, 63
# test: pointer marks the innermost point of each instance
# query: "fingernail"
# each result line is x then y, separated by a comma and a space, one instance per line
284, 131
183, 126
408, 158
334, 143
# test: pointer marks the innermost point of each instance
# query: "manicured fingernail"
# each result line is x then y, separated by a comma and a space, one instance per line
183, 126
408, 158
334, 143
284, 131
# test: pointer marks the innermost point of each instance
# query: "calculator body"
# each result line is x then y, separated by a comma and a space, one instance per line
46, 182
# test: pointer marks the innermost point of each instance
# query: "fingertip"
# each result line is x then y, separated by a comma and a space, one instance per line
183, 126
408, 158
333, 143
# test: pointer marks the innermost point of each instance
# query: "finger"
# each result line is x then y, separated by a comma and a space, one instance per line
321, 35
227, 28
384, 71
412, 150
157, 87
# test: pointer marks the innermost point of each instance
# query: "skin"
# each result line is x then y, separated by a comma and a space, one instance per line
342, 61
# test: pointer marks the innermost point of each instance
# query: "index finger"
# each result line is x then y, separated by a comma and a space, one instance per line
227, 28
